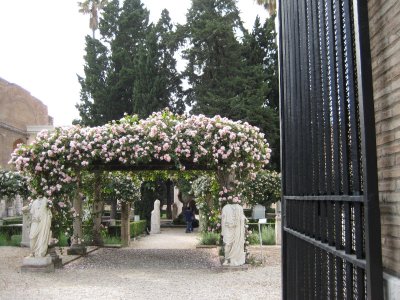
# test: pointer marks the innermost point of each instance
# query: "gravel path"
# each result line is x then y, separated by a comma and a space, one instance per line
143, 271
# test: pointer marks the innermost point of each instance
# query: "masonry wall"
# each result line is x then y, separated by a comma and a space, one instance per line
384, 19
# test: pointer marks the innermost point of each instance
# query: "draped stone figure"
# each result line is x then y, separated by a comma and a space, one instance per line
155, 218
40, 233
233, 232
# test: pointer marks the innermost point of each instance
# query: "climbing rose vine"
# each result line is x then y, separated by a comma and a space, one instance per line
54, 159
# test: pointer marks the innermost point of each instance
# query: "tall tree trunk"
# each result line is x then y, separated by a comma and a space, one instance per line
125, 224
98, 206
170, 198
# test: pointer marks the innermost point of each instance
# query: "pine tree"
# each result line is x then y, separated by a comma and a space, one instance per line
158, 83
92, 109
135, 62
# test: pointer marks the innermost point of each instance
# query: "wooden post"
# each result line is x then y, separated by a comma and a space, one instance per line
77, 248
97, 210
125, 224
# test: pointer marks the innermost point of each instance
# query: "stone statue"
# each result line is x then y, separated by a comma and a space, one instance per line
233, 232
155, 218
40, 233
174, 211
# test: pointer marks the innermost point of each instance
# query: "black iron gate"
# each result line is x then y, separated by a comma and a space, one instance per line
331, 228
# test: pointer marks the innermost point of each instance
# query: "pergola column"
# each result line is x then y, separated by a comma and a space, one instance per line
98, 205
77, 248
125, 224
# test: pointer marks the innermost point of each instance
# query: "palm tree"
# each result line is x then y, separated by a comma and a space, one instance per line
269, 5
92, 7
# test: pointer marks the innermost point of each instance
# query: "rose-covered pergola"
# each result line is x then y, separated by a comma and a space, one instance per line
163, 141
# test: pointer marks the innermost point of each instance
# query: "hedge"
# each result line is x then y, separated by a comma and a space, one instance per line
137, 228
9, 230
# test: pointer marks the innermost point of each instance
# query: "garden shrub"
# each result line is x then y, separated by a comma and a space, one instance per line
267, 235
209, 238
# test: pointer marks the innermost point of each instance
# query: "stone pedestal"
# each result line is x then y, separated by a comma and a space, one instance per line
18, 203
57, 261
10, 211
156, 218
77, 249
37, 264
26, 226
3, 210
278, 230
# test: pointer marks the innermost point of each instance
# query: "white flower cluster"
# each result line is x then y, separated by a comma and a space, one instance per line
215, 143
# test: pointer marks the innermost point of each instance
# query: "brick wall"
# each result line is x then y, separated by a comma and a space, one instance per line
385, 50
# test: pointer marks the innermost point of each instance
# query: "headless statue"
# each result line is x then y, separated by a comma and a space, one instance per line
39, 235
233, 232
155, 218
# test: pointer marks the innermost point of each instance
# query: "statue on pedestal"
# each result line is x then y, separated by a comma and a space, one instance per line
233, 232
40, 233
155, 218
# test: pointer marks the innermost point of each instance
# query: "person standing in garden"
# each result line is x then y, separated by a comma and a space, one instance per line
189, 216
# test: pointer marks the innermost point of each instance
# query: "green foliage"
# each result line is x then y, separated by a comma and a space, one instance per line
121, 186
232, 73
10, 230
205, 189
3, 239
209, 238
267, 236
150, 191
265, 189
13, 184
62, 241
16, 240
131, 68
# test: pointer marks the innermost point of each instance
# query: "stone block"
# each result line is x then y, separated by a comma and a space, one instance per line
77, 250
391, 285
37, 264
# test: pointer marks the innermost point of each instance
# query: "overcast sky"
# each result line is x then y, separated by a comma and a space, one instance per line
42, 46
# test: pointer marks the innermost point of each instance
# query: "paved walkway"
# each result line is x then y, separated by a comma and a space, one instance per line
163, 266
169, 238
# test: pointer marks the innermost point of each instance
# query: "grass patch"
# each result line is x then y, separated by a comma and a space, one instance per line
209, 238
3, 240
111, 240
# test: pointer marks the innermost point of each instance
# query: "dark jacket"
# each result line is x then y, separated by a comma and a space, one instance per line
188, 215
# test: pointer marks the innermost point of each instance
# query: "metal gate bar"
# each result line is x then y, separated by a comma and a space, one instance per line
330, 210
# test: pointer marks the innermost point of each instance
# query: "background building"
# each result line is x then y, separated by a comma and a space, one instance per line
22, 116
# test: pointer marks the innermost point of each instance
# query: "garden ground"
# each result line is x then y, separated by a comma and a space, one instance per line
162, 266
